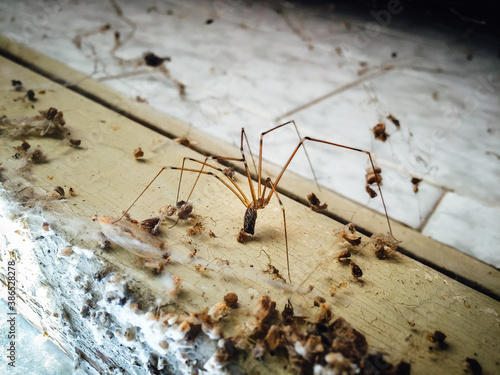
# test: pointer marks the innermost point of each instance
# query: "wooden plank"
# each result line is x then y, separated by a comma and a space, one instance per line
456, 264
80, 287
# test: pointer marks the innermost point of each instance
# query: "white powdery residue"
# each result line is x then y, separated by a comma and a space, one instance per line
98, 332
213, 367
300, 349
489, 310
81, 251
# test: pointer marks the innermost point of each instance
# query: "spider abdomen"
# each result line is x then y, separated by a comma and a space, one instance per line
249, 220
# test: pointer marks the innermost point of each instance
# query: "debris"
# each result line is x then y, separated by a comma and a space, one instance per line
437, 337
229, 172
372, 193
315, 204
152, 225
138, 153
156, 265
348, 233
344, 255
49, 123
384, 244
373, 176
415, 181
379, 132
231, 300
75, 142
357, 272
185, 142
394, 120
472, 366
152, 60
31, 95
18, 85
242, 235
59, 190
195, 229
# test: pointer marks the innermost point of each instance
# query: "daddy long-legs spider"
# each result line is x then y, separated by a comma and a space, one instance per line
262, 190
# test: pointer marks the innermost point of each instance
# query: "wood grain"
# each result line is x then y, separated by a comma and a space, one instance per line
454, 263
107, 178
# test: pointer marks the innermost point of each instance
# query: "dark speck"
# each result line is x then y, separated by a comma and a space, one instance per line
209, 21
31, 95
152, 60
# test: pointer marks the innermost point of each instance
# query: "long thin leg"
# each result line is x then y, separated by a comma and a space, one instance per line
276, 182
242, 198
247, 170
205, 164
244, 134
273, 188
262, 144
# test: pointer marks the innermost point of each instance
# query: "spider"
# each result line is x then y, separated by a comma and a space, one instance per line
261, 191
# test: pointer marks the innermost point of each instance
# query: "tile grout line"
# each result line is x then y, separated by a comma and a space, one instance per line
333, 93
424, 222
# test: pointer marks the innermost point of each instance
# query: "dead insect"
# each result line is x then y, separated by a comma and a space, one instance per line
75, 142
356, 270
394, 120
315, 204
151, 225
344, 255
437, 337
31, 95
59, 190
384, 244
348, 234
472, 366
152, 60
379, 132
373, 176
415, 181
372, 193
18, 85
138, 153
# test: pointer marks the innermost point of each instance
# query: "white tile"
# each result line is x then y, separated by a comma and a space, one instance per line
468, 225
